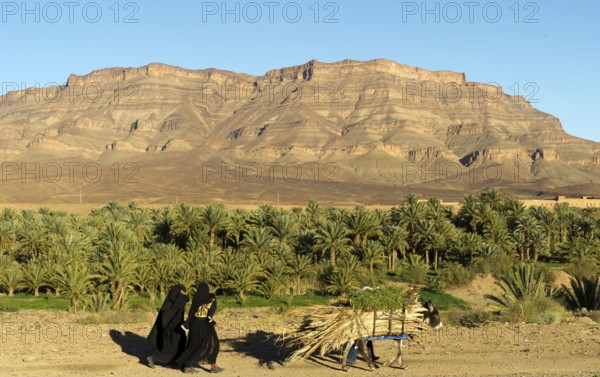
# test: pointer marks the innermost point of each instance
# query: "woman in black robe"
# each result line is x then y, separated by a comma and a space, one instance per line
202, 342
167, 336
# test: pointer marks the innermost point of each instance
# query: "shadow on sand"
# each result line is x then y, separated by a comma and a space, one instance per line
268, 349
264, 346
132, 344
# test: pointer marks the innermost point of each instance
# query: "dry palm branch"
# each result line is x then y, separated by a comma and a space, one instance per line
388, 313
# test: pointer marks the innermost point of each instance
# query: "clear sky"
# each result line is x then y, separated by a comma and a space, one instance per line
549, 50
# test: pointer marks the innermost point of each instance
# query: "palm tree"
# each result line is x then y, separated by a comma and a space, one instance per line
34, 276
244, 278
275, 281
236, 226
115, 233
467, 213
469, 243
187, 218
33, 240
372, 253
56, 227
285, 229
520, 242
428, 238
411, 214
515, 211
163, 224
548, 224
11, 278
143, 277
115, 211
167, 258
538, 245
483, 216
528, 225
394, 242
258, 240
118, 268
8, 234
331, 237
447, 236
344, 278
493, 198
313, 209
9, 214
362, 224
261, 217
301, 267
562, 212
583, 250
140, 224
75, 280
488, 251
215, 217
496, 232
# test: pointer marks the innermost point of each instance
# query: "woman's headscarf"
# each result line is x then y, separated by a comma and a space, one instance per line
172, 296
202, 296
169, 316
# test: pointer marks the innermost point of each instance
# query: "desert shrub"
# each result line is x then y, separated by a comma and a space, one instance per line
154, 301
549, 273
375, 279
595, 316
541, 310
519, 283
97, 302
467, 318
414, 274
497, 264
524, 298
6, 308
582, 269
474, 318
436, 283
413, 270
452, 316
455, 275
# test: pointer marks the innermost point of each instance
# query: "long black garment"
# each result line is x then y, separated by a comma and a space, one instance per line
202, 342
167, 336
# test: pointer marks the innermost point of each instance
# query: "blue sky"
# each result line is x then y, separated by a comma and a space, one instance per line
552, 44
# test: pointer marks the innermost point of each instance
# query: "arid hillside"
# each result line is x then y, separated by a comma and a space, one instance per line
345, 132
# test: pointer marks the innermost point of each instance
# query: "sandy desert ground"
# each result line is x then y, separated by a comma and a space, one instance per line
46, 343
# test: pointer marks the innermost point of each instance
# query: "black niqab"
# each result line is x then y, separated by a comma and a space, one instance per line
166, 335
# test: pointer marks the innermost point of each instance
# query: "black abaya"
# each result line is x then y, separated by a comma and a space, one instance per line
202, 343
167, 336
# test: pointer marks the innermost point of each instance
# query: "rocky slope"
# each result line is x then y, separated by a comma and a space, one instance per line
376, 123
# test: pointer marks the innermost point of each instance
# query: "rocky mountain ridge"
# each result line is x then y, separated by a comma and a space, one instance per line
378, 121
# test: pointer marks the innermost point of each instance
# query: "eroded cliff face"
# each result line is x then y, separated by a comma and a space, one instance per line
368, 117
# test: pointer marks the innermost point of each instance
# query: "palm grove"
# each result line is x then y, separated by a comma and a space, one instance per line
121, 251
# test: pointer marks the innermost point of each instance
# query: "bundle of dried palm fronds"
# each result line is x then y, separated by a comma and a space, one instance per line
329, 328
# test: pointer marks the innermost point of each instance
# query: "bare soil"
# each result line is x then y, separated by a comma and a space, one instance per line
51, 343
